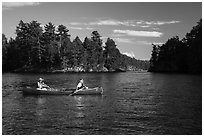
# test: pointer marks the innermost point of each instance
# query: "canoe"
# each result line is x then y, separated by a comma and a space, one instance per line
35, 91
89, 91
63, 91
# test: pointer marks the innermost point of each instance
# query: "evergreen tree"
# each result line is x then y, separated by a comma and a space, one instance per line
36, 42
62, 35
53, 58
179, 55
35, 49
90, 48
64, 46
154, 58
193, 40
22, 40
4, 52
96, 38
112, 55
78, 51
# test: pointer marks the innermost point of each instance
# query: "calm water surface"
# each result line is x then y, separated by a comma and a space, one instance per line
133, 103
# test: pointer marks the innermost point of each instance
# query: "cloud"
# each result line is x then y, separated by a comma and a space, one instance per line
124, 40
106, 22
140, 23
117, 35
145, 26
155, 28
75, 23
113, 22
130, 54
104, 37
80, 28
139, 33
89, 28
148, 25
143, 42
158, 43
9, 5
160, 22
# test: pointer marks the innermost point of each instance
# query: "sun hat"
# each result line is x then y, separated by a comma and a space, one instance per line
41, 79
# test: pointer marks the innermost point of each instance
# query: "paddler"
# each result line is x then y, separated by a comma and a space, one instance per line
42, 85
81, 85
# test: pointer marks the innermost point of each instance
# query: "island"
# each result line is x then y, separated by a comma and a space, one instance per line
44, 49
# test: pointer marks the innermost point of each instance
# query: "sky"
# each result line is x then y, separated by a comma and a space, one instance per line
134, 26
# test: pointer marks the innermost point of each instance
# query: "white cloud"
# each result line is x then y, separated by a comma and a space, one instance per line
89, 28
148, 25
9, 5
140, 23
155, 28
104, 37
139, 33
117, 35
130, 54
145, 26
75, 23
113, 22
143, 42
106, 22
158, 43
80, 28
123, 40
148, 43
156, 22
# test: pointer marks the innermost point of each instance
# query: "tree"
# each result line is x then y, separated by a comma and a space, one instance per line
78, 51
64, 45
49, 34
154, 58
193, 40
62, 35
22, 40
38, 49
37, 45
179, 55
96, 37
4, 52
90, 48
53, 58
112, 55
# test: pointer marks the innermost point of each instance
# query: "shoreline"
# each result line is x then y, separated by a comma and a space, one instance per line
61, 72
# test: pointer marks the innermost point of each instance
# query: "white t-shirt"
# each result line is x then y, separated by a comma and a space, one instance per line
79, 85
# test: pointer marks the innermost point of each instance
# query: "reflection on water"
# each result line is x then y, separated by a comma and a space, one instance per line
80, 106
133, 103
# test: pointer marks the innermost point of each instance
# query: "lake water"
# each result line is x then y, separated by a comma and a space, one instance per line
133, 103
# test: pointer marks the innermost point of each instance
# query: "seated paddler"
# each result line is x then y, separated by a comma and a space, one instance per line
80, 85
42, 85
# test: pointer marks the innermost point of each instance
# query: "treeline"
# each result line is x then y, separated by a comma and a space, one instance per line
183, 56
49, 49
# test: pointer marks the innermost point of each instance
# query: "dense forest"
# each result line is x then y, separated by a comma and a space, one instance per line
183, 56
49, 49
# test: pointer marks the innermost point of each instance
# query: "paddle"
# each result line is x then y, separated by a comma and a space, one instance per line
75, 92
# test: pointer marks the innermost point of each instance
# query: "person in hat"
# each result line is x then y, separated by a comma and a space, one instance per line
81, 85
42, 85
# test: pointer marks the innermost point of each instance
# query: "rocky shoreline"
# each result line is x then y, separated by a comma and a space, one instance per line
75, 70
